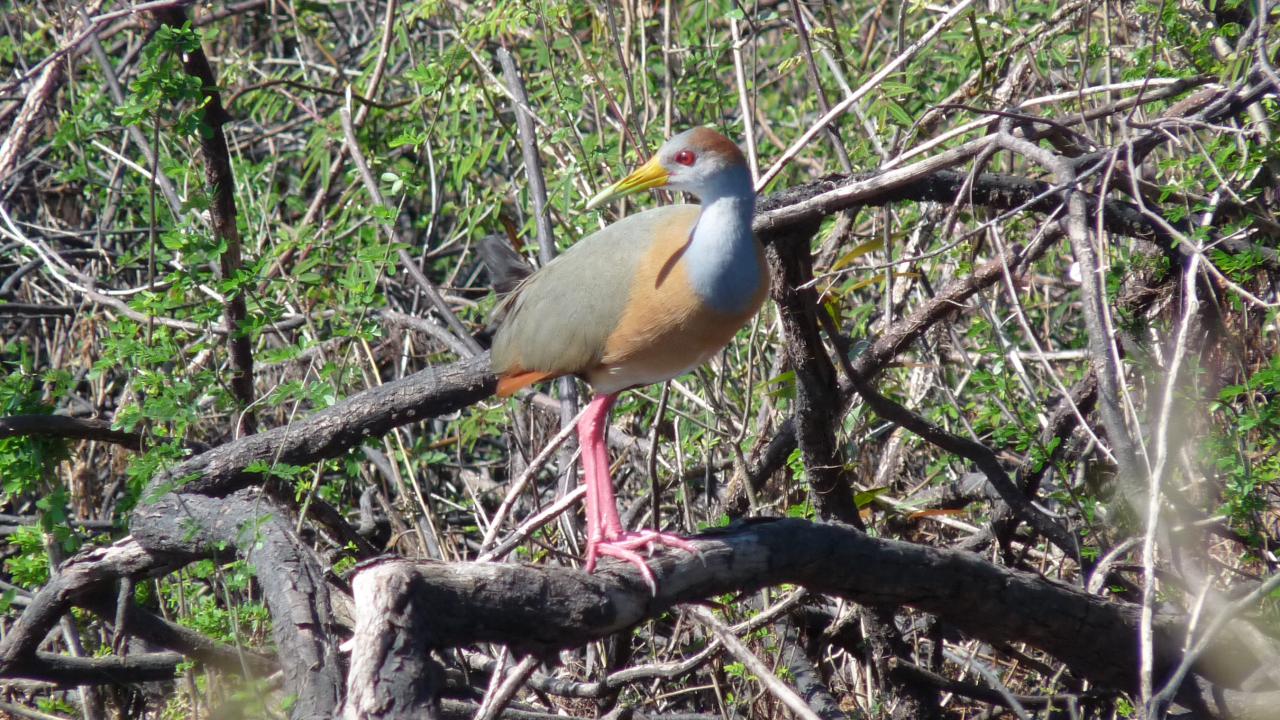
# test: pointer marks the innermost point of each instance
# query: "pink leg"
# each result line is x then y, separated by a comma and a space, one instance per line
597, 413
605, 535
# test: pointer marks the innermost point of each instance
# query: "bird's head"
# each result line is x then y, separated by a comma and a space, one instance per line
700, 161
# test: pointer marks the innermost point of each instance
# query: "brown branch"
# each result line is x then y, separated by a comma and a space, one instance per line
541, 609
92, 572
222, 211
981, 456
817, 407
67, 427
70, 670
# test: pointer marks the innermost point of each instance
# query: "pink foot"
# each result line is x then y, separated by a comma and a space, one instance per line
605, 536
625, 547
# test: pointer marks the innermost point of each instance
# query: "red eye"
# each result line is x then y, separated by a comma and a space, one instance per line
685, 157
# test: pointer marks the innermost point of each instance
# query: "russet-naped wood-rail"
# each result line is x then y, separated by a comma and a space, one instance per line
645, 299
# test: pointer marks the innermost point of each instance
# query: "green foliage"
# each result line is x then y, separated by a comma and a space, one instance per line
27, 461
27, 466
30, 567
1246, 449
163, 91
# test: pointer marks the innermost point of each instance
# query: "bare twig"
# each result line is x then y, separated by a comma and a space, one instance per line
767, 678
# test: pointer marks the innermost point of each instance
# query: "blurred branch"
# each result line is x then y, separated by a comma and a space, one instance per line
67, 427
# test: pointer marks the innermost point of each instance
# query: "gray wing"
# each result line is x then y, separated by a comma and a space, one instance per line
559, 318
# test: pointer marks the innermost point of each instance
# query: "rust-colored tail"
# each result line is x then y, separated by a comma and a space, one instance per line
509, 385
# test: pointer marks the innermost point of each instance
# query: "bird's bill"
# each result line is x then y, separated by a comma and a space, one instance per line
648, 175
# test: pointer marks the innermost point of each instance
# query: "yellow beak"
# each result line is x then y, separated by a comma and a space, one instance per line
648, 175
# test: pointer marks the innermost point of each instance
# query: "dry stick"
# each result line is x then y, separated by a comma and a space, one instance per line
1161, 701
428, 327
495, 701
532, 163
833, 136
771, 682
652, 671
519, 485
40, 94
135, 133
1104, 358
428, 289
1263, 61
568, 391
52, 262
1165, 89
839, 108
1191, 304
651, 463
817, 206
1015, 302
744, 100
94, 23
869, 128
992, 679
532, 524
25, 712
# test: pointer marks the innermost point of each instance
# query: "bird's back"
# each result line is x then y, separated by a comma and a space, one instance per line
559, 321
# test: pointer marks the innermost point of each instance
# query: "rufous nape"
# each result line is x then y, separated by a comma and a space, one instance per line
645, 299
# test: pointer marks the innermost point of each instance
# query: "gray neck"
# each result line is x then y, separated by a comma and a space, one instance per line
722, 263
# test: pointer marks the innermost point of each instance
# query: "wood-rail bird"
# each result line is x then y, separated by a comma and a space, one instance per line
645, 299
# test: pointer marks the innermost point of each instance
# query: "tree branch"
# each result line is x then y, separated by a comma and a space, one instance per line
540, 609
67, 427
222, 211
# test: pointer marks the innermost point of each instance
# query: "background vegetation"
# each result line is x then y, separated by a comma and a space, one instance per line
150, 311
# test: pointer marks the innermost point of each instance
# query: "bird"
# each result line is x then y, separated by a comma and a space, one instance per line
643, 300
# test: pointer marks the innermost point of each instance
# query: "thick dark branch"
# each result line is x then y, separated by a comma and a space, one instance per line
68, 670
541, 609
34, 310
67, 427
335, 430
90, 573
818, 409
288, 571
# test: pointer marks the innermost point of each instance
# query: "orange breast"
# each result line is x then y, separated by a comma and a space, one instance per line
666, 329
